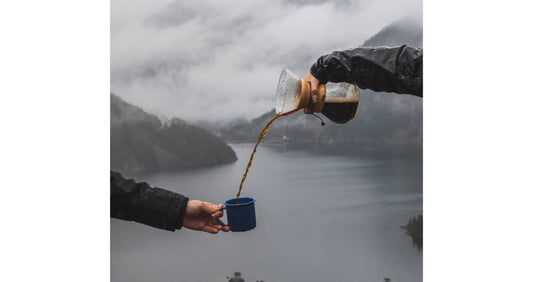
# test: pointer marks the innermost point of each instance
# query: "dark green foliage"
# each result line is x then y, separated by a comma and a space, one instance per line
141, 143
415, 230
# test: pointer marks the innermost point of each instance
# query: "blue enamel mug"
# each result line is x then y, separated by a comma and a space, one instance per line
241, 216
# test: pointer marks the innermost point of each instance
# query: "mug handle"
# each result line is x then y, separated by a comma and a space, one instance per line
220, 221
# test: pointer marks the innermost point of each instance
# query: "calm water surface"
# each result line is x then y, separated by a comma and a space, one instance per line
319, 218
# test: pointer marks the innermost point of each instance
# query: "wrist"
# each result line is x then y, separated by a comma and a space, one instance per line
182, 213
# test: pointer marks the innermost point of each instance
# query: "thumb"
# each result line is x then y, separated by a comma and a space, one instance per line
314, 90
211, 208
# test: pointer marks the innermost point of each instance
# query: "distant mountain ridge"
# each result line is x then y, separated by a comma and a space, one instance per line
406, 32
386, 122
141, 143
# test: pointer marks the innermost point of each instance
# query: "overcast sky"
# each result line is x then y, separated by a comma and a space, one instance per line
220, 60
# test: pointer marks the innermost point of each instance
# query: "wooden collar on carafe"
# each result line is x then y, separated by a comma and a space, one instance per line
305, 98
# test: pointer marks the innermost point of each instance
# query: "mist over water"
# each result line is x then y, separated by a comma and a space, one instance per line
319, 218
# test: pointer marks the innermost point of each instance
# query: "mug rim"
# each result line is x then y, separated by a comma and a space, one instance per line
252, 200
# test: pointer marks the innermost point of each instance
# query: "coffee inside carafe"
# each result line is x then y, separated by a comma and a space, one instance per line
341, 102
340, 112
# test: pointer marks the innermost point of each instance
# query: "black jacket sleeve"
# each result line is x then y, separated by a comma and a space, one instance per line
397, 69
141, 203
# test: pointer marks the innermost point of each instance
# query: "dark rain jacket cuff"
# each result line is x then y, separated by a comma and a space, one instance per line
181, 208
318, 72
141, 203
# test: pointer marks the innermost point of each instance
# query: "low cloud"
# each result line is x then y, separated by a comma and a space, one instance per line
220, 60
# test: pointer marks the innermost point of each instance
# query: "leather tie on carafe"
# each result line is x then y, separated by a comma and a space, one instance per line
306, 101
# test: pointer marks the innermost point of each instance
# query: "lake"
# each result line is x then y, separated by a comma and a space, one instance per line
319, 218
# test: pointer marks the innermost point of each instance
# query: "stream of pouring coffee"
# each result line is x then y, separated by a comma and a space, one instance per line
261, 136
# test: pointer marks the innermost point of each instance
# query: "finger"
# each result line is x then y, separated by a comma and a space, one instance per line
214, 221
218, 214
314, 91
210, 229
221, 226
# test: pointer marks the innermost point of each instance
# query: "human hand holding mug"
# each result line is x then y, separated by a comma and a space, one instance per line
204, 216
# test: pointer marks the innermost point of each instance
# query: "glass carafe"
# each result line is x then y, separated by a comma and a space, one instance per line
339, 102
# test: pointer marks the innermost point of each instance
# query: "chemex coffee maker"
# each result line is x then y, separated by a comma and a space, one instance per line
339, 102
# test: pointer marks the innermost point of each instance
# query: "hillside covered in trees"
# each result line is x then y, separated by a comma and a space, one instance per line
415, 229
140, 142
